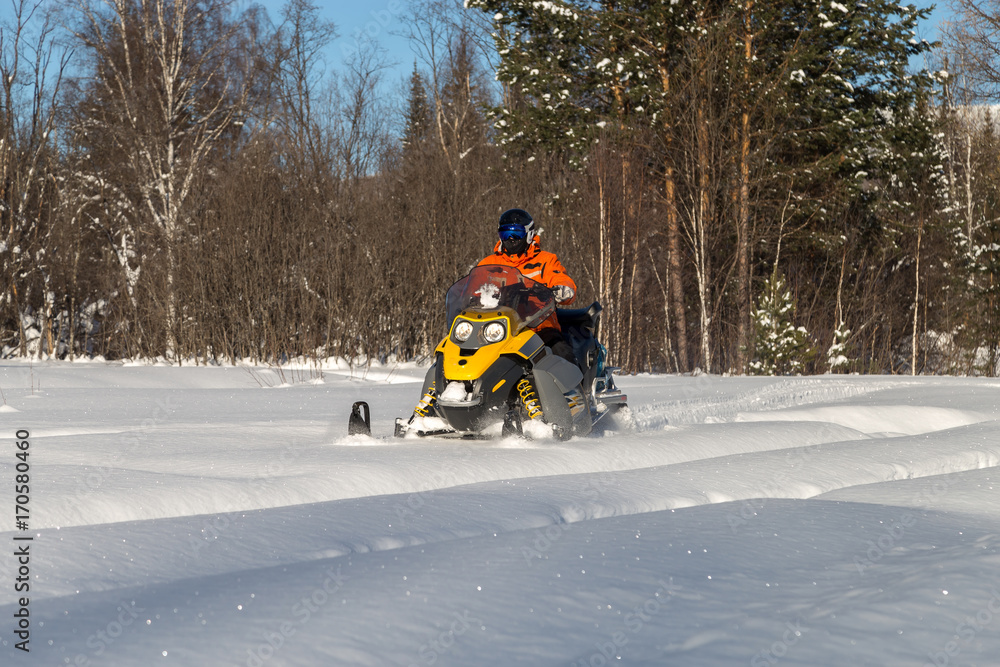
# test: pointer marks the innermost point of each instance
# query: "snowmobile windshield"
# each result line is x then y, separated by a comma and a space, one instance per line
491, 287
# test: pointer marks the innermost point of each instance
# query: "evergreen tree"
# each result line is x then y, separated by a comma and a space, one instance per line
781, 347
418, 114
548, 67
836, 357
851, 101
571, 66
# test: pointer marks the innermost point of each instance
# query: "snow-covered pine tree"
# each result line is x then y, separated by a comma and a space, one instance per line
571, 67
836, 355
781, 348
845, 90
852, 98
550, 92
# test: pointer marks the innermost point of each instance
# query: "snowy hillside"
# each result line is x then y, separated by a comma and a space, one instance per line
222, 516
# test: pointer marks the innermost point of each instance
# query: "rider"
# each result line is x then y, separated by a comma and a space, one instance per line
518, 247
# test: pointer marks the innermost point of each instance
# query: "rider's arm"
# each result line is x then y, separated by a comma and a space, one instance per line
556, 275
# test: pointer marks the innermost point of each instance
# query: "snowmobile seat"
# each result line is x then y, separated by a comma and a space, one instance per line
580, 318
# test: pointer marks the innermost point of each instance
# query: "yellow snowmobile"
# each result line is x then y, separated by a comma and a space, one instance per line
493, 375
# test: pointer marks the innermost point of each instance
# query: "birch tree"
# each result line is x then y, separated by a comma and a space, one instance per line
31, 73
168, 80
971, 41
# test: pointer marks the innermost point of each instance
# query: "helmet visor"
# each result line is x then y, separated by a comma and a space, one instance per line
513, 232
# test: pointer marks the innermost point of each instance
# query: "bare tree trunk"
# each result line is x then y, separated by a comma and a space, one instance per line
916, 298
969, 202
743, 214
674, 276
994, 346
602, 242
701, 222
668, 348
172, 351
840, 287
49, 299
675, 284
72, 326
623, 344
22, 333
635, 212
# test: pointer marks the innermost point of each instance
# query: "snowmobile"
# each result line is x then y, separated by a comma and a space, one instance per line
492, 374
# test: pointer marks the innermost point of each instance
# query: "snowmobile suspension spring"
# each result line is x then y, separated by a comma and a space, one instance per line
529, 398
424, 406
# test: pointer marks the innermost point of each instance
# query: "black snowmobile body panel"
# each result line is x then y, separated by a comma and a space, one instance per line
578, 327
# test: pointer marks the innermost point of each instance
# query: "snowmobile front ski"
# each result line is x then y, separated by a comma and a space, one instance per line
360, 424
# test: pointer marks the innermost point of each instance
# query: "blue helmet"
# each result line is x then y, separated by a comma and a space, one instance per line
516, 229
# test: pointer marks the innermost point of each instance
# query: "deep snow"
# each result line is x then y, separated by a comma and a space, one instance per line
222, 516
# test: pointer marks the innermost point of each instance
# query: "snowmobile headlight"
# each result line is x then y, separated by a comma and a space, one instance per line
463, 330
494, 332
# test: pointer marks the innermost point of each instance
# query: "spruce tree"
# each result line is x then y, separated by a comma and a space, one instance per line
836, 356
781, 348
548, 69
845, 88
418, 111
418, 114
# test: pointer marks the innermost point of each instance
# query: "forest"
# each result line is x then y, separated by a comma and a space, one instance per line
747, 188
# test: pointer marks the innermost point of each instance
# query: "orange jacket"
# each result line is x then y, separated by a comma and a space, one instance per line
539, 265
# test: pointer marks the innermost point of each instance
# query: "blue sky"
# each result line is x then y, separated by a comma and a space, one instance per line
356, 19
939, 15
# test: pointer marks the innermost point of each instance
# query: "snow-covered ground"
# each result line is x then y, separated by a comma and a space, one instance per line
222, 516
